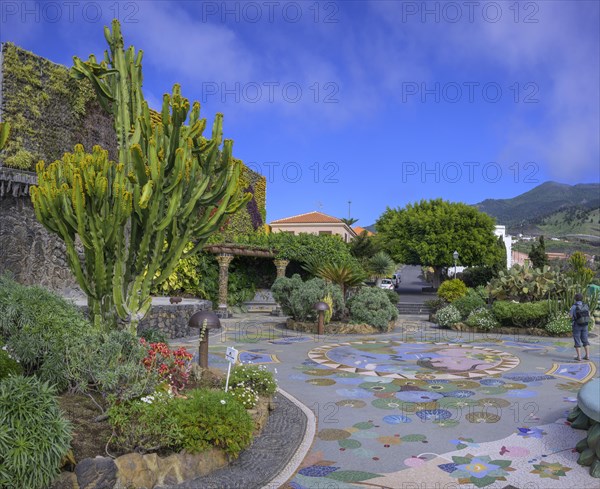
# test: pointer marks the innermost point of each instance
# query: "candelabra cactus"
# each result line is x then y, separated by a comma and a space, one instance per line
134, 218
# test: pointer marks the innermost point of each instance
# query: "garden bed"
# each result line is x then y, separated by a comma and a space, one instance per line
338, 328
508, 331
95, 469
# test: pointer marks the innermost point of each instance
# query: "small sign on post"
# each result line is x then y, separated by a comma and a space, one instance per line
231, 355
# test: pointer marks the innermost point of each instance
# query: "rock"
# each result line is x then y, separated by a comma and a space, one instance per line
96, 473
133, 471
169, 471
66, 480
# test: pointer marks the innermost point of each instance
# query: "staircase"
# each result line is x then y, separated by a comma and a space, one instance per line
409, 308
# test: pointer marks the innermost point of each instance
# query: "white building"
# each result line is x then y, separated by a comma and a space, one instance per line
507, 238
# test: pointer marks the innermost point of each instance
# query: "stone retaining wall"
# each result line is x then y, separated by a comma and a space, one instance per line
171, 319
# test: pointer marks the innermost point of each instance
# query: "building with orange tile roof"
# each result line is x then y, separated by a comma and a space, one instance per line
314, 223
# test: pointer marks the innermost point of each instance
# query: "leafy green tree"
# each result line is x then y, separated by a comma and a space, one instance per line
537, 255
363, 246
428, 232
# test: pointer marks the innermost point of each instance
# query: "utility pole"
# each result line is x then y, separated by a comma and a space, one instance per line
349, 203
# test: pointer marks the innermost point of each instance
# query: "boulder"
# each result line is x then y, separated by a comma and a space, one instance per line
96, 473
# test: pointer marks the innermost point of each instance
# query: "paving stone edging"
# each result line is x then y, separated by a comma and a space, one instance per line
274, 455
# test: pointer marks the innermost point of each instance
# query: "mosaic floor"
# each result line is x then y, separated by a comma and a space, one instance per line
398, 411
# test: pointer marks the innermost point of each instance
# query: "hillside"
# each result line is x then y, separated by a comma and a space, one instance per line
536, 208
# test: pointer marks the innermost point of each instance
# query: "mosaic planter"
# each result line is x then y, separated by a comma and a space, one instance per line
586, 416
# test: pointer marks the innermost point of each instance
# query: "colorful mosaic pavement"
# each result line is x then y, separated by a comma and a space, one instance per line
397, 412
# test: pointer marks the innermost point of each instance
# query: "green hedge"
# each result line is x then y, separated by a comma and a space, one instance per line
521, 314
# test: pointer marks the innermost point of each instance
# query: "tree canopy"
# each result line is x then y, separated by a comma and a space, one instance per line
428, 232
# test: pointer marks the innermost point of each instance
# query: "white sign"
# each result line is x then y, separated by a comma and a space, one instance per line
231, 354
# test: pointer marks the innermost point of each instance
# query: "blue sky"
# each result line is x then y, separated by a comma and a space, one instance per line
380, 103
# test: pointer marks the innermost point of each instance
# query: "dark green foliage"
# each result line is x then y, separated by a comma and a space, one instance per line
8, 365
40, 327
297, 298
154, 335
436, 304
203, 420
469, 302
371, 305
475, 276
255, 376
428, 232
363, 246
34, 435
537, 255
521, 315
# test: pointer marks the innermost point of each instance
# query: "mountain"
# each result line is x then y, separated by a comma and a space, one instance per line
540, 203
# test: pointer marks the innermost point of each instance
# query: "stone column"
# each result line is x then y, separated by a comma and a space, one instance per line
281, 266
224, 260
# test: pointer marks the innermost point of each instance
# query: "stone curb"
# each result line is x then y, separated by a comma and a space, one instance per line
309, 434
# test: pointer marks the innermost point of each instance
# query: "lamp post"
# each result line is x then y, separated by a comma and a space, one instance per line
205, 321
455, 256
321, 307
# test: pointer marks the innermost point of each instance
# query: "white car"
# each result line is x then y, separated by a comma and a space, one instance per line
386, 283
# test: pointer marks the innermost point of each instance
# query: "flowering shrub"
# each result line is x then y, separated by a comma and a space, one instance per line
447, 316
256, 377
172, 366
560, 324
482, 318
245, 395
8, 365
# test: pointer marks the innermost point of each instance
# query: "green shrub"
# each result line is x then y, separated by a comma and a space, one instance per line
154, 335
255, 376
521, 315
450, 290
39, 326
8, 365
245, 395
560, 324
468, 303
529, 284
435, 304
297, 298
392, 296
371, 305
447, 316
482, 319
479, 276
34, 435
110, 364
203, 420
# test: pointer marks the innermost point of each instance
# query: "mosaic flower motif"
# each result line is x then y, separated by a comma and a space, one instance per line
550, 471
464, 443
459, 393
480, 470
418, 396
446, 423
396, 419
434, 414
530, 432
492, 382
482, 417
380, 386
351, 403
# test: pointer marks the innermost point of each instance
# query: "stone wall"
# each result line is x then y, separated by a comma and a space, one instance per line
28, 252
171, 319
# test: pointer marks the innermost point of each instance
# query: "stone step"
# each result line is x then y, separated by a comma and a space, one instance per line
412, 308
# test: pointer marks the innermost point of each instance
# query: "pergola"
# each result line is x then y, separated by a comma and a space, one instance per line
225, 254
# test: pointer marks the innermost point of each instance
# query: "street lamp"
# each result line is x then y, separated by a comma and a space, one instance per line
204, 320
321, 307
455, 256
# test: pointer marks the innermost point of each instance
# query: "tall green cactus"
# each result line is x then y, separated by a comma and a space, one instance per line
170, 187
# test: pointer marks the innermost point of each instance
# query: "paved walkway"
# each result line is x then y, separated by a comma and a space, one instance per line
423, 407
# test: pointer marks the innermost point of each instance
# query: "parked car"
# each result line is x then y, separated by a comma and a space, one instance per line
386, 283
396, 279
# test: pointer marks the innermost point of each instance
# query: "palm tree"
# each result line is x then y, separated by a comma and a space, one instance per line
344, 272
348, 220
381, 266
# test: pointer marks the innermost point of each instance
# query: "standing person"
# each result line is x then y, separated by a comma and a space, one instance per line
580, 314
